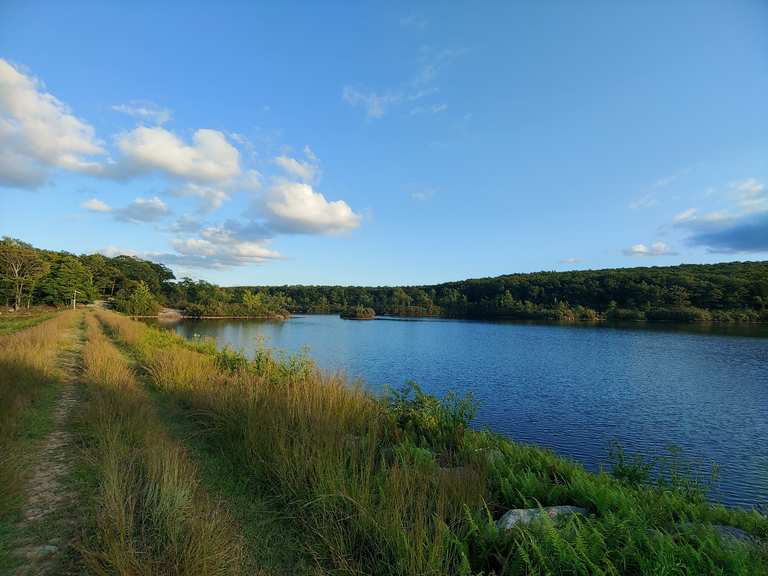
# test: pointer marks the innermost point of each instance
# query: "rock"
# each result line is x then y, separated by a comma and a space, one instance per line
734, 534
40, 552
527, 515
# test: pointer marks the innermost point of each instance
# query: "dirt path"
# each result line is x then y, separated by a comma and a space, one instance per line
49, 516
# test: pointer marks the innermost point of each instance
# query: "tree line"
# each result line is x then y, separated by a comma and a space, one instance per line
734, 291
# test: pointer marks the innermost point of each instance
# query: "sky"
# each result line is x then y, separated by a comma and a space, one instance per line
386, 143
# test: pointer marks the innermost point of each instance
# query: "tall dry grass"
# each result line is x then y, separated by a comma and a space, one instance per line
150, 516
402, 488
324, 449
28, 375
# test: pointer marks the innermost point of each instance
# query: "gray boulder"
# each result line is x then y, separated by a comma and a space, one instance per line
734, 534
517, 516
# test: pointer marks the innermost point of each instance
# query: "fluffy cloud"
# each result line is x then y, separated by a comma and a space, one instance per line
750, 195
304, 171
96, 205
220, 247
142, 210
38, 132
294, 207
655, 249
185, 224
210, 157
211, 197
111, 251
742, 228
144, 110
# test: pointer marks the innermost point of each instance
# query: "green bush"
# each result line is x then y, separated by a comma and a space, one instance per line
429, 421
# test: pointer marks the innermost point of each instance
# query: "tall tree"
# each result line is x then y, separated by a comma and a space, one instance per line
20, 265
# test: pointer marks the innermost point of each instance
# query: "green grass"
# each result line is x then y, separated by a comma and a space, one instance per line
16, 321
402, 486
149, 513
273, 543
272, 540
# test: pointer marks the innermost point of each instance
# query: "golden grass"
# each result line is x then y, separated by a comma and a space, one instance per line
315, 442
374, 495
151, 516
28, 372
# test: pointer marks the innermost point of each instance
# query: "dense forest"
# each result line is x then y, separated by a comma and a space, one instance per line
735, 291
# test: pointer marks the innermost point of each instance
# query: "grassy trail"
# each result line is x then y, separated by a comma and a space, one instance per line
149, 513
43, 365
272, 542
49, 516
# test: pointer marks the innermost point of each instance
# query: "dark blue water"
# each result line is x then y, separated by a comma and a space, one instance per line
570, 388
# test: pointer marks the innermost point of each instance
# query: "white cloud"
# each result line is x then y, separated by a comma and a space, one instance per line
655, 249
295, 207
645, 201
142, 210
650, 198
220, 247
571, 261
38, 132
210, 158
211, 197
421, 85
750, 195
685, 215
111, 251
304, 171
375, 104
96, 205
413, 21
423, 194
740, 228
144, 110
185, 224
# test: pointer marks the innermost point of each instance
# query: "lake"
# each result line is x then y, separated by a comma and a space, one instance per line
571, 388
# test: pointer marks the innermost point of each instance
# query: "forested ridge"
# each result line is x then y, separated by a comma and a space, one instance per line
733, 291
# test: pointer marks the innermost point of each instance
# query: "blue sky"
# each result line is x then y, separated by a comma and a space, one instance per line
386, 143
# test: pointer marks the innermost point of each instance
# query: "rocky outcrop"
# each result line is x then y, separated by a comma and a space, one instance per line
524, 516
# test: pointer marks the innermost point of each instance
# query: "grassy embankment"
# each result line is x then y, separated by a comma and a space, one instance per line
28, 389
148, 514
401, 486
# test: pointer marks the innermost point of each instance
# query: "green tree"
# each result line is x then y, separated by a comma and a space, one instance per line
20, 266
67, 277
141, 302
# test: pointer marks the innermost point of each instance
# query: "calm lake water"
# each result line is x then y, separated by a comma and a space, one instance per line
570, 388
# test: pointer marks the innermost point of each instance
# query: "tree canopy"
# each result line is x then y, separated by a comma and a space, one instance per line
733, 291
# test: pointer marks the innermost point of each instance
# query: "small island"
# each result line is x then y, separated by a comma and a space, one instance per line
358, 313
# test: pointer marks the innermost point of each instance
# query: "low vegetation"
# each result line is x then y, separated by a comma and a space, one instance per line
11, 322
403, 485
399, 484
149, 514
